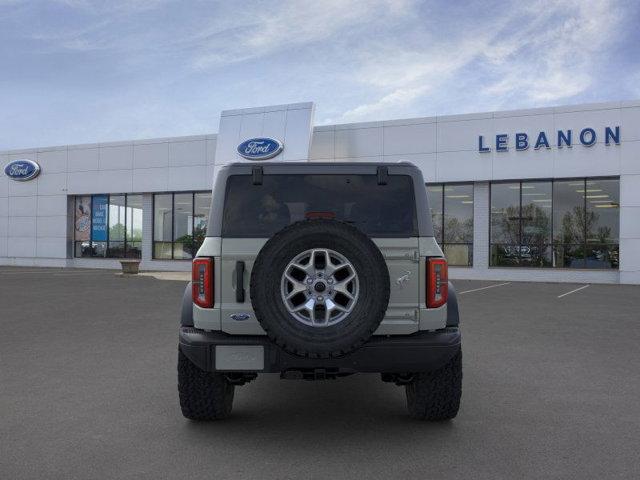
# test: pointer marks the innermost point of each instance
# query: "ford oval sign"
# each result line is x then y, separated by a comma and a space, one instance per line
22, 170
260, 148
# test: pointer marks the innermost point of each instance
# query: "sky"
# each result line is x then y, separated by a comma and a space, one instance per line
79, 71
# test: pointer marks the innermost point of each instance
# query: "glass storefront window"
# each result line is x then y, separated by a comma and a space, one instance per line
134, 226
505, 224
201, 206
117, 219
569, 223
183, 225
436, 207
162, 225
108, 226
82, 226
603, 223
451, 208
180, 224
564, 223
535, 234
603, 211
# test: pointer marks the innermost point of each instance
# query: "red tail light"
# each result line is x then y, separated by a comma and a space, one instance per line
437, 282
202, 282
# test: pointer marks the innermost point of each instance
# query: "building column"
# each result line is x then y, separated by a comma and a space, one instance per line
481, 215
147, 227
629, 229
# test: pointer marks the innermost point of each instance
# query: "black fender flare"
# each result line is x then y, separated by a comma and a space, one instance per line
186, 312
453, 315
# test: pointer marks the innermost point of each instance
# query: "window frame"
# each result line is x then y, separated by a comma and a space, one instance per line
107, 241
520, 220
443, 185
553, 243
173, 194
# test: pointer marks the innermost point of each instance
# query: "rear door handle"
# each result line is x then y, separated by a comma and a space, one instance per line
240, 282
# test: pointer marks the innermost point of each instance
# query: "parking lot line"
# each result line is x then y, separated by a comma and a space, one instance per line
484, 288
55, 273
75, 274
573, 291
15, 270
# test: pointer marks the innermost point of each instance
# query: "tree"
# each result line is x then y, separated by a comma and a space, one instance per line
116, 232
577, 222
526, 234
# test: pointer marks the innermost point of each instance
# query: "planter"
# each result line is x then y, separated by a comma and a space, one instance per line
130, 266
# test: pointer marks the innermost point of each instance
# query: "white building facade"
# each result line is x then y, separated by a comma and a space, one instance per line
550, 194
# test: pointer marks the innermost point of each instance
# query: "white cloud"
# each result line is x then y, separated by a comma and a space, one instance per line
397, 98
261, 32
112, 6
405, 76
544, 52
163, 67
555, 63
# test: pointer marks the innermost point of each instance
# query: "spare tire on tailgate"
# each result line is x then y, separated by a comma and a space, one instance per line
320, 288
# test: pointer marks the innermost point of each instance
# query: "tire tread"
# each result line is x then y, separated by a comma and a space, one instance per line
203, 395
435, 396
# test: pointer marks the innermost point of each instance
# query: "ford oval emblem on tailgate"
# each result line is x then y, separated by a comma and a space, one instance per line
239, 317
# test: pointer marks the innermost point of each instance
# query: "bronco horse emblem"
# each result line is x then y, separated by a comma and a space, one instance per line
403, 279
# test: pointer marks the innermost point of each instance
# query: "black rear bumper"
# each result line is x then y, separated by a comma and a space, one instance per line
419, 352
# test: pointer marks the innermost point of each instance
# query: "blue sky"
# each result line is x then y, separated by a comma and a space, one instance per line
76, 71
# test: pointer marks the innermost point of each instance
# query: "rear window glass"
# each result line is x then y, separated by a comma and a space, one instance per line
262, 210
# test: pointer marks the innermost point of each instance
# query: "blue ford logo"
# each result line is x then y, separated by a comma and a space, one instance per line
22, 170
260, 148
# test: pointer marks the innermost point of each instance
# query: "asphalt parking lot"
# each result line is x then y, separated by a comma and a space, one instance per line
551, 389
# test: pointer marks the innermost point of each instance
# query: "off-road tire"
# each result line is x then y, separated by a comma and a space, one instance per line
436, 395
334, 340
203, 395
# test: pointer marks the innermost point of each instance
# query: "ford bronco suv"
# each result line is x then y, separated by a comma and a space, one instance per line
314, 271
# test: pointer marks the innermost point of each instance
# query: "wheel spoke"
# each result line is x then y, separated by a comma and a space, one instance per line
342, 287
310, 306
297, 286
293, 280
331, 306
307, 269
331, 268
312, 259
295, 290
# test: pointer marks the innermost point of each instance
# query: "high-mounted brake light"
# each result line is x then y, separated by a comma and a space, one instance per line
202, 282
437, 282
316, 215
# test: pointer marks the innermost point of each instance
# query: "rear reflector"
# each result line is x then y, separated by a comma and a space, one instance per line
202, 282
437, 282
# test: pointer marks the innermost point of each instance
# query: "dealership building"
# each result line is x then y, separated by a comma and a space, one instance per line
547, 194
